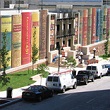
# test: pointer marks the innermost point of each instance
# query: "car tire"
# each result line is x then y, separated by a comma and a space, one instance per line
64, 89
51, 94
39, 98
75, 86
93, 79
86, 82
100, 76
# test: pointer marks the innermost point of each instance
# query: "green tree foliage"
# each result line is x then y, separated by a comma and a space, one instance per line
106, 47
71, 62
35, 50
41, 69
4, 59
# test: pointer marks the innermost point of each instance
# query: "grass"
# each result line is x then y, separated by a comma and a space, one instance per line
19, 79
105, 56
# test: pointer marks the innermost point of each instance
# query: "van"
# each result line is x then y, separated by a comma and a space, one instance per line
96, 69
60, 81
104, 69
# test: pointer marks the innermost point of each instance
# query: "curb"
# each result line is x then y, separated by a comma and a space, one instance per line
11, 102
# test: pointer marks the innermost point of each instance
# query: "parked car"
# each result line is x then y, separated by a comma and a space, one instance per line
75, 70
84, 76
60, 81
96, 69
36, 92
108, 68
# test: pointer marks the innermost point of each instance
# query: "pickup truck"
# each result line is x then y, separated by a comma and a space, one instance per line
84, 76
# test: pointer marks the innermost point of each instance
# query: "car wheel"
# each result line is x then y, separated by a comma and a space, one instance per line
86, 82
75, 86
64, 89
100, 76
51, 94
39, 98
93, 79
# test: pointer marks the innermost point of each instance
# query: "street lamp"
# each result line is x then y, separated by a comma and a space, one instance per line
58, 47
94, 50
81, 54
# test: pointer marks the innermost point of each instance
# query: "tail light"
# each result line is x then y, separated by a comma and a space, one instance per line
59, 84
97, 72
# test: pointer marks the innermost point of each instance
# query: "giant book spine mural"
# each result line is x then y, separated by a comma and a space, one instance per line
43, 34
93, 39
35, 29
104, 23
6, 22
89, 25
16, 40
26, 38
85, 27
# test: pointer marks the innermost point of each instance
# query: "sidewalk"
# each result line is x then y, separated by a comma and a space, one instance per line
18, 92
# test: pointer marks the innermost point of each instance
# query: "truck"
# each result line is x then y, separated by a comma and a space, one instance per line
84, 76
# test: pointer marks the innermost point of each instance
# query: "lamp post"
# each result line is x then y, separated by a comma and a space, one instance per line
59, 56
94, 50
81, 54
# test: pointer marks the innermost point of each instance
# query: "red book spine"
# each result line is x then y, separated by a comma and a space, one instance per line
85, 27
108, 22
26, 37
93, 25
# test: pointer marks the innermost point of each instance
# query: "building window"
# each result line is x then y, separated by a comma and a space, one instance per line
106, 2
7, 3
19, 2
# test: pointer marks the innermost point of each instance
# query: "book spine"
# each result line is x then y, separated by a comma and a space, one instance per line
35, 29
93, 40
101, 25
26, 37
104, 23
6, 22
85, 26
81, 27
89, 25
108, 22
16, 40
43, 33
98, 25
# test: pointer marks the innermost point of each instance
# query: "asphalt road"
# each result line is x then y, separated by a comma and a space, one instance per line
94, 96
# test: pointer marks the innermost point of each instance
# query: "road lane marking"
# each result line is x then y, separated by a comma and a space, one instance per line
90, 100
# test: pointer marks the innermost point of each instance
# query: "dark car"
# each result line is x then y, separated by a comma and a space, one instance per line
36, 92
84, 76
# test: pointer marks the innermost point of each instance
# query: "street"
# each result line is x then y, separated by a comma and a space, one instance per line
94, 96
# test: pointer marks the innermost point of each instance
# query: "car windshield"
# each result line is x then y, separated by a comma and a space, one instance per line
54, 79
107, 66
34, 88
82, 72
91, 67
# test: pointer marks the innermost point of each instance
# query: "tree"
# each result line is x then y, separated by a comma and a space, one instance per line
35, 50
4, 59
106, 46
41, 69
70, 62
